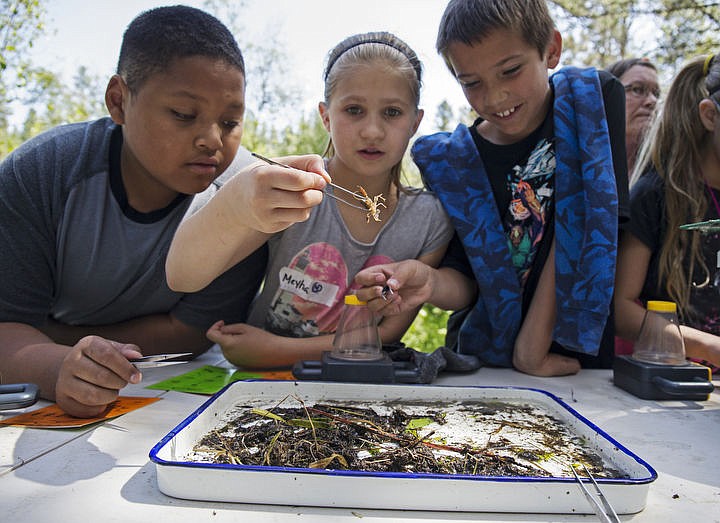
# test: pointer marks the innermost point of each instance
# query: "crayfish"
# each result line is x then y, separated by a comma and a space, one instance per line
373, 204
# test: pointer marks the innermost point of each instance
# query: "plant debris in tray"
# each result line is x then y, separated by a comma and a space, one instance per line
485, 439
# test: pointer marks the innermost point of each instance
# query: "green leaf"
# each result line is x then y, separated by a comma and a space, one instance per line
309, 423
323, 463
267, 414
417, 423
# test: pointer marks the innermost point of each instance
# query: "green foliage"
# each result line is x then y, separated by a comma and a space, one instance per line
444, 116
428, 331
270, 89
669, 32
57, 103
410, 173
8, 141
253, 138
50, 102
307, 136
446, 119
691, 27
21, 22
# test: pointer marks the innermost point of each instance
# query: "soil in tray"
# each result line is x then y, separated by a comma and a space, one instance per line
487, 439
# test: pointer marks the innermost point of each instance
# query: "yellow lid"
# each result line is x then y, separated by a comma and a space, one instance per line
661, 306
351, 299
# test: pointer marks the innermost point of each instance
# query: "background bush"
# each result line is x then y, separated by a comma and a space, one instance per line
427, 332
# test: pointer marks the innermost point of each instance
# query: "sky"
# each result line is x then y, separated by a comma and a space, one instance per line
89, 33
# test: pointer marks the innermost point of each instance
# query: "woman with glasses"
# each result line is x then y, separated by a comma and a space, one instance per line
678, 183
642, 90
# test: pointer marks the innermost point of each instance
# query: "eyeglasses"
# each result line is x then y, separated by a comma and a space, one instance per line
639, 90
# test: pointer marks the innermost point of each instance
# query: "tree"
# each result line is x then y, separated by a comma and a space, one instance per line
598, 33
50, 102
55, 103
268, 77
308, 135
444, 116
269, 93
691, 28
595, 32
21, 22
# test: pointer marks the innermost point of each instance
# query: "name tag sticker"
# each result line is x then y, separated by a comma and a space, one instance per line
308, 288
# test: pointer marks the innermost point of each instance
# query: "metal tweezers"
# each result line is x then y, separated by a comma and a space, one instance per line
354, 194
602, 508
704, 227
159, 360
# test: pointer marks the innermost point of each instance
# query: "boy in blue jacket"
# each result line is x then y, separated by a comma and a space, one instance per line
534, 188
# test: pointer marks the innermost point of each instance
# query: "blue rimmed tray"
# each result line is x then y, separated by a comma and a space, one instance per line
183, 473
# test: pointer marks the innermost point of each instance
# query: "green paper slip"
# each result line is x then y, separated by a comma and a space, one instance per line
209, 379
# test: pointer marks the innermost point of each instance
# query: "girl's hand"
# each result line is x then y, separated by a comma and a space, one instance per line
244, 345
253, 204
269, 198
92, 374
396, 287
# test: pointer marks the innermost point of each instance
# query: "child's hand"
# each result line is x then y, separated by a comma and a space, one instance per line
269, 198
395, 287
92, 374
254, 203
244, 345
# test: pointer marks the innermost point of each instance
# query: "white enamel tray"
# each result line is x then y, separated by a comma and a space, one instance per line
180, 476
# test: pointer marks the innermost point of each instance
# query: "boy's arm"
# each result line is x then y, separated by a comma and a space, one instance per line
83, 378
258, 201
531, 353
153, 334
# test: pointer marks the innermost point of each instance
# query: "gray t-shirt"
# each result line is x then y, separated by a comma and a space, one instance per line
313, 263
73, 250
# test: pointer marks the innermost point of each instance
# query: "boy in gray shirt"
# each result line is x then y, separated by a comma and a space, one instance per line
88, 211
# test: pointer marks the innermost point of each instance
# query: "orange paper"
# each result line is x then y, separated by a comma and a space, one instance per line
53, 417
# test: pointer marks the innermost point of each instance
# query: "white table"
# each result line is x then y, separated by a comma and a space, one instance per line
103, 473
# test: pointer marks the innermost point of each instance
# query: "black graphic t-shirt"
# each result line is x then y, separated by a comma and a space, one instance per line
531, 188
523, 182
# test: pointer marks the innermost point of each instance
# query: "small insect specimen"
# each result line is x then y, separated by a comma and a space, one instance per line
373, 204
